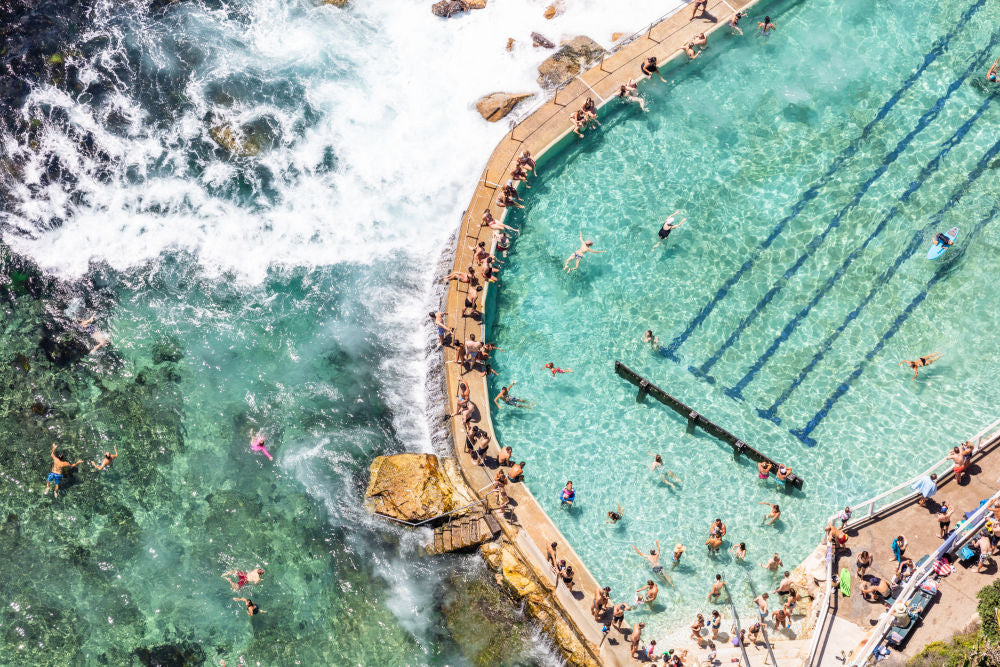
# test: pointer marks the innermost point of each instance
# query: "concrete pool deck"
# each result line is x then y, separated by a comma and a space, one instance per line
527, 526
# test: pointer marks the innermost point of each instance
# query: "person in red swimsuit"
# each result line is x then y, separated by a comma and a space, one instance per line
243, 578
552, 367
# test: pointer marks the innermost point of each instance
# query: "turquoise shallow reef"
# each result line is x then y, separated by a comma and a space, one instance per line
124, 567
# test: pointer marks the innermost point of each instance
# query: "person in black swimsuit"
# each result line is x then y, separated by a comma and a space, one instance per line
567, 577
668, 226
864, 562
699, 4
920, 363
649, 67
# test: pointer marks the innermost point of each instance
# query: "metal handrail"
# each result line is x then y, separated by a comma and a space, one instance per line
986, 435
763, 625
440, 516
970, 527
736, 620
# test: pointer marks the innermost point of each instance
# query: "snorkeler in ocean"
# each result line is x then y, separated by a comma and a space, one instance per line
243, 578
252, 609
920, 363
257, 444
585, 247
108, 460
59, 464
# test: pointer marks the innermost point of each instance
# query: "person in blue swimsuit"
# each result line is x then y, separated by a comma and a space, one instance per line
505, 396
567, 496
59, 465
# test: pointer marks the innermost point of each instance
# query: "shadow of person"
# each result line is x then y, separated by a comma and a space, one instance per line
708, 17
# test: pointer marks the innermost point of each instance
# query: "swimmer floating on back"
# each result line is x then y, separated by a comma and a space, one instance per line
920, 363
585, 247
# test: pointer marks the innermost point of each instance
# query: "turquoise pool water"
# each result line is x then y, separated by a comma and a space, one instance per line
813, 168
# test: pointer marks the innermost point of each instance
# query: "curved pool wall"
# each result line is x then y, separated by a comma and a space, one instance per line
910, 157
545, 131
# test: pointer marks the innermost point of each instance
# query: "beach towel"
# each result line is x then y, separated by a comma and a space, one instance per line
845, 582
925, 486
896, 551
942, 567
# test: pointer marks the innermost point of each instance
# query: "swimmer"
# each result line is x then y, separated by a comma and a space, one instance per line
782, 473
100, 338
252, 609
699, 40
713, 543
764, 470
679, 550
108, 460
717, 529
717, 588
243, 578
505, 396
994, 68
739, 551
920, 363
615, 517
766, 26
772, 564
761, 602
257, 444
651, 340
773, 515
734, 21
668, 226
654, 560
689, 50
59, 464
520, 175
627, 94
567, 496
652, 590
555, 370
649, 67
579, 122
585, 247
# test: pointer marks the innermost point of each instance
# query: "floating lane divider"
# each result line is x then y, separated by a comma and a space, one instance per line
813, 191
697, 419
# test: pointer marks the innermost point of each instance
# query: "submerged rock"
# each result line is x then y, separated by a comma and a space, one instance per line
448, 8
495, 106
234, 142
412, 487
336, 3
572, 58
540, 40
476, 4
179, 655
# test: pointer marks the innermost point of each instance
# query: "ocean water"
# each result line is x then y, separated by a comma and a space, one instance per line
813, 168
282, 288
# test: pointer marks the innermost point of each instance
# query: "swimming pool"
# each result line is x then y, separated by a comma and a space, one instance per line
813, 168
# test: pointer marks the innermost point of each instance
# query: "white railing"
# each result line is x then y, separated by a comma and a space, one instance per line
968, 528
879, 504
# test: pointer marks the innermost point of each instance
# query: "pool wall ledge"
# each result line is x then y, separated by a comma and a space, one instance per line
519, 558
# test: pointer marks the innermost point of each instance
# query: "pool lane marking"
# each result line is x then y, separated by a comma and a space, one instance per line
771, 412
916, 243
735, 392
926, 119
670, 351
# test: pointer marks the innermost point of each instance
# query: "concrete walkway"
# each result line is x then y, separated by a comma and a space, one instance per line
955, 605
527, 525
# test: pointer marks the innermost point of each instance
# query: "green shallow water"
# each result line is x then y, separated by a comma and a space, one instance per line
124, 567
757, 130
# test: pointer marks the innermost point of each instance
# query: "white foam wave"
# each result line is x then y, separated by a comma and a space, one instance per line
393, 87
